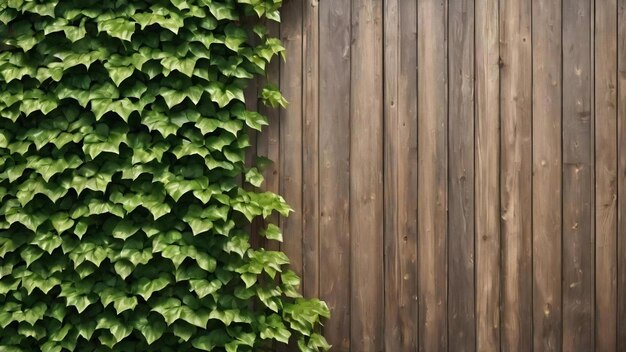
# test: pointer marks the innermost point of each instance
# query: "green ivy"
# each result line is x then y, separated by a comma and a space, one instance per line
123, 211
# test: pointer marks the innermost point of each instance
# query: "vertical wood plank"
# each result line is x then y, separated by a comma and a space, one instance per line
291, 132
310, 152
621, 180
400, 175
577, 178
268, 141
461, 319
546, 29
366, 179
606, 174
290, 173
432, 174
516, 174
334, 172
487, 177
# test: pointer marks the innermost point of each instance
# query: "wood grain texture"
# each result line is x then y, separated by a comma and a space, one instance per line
516, 174
334, 171
366, 178
459, 168
487, 177
577, 178
461, 319
291, 134
400, 175
268, 141
432, 174
291, 165
310, 148
547, 85
606, 174
621, 177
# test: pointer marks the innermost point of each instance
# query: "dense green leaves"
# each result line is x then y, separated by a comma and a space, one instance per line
125, 198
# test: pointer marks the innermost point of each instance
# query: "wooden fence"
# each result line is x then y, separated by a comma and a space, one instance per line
457, 170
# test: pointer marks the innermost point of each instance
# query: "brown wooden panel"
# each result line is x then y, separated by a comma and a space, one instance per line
516, 174
514, 166
366, 178
432, 174
621, 179
334, 171
268, 141
546, 29
487, 177
461, 326
310, 149
291, 131
606, 174
400, 175
547, 175
577, 178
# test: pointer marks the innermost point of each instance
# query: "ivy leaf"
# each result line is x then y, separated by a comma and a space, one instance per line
183, 330
61, 222
254, 177
271, 96
119, 73
215, 338
146, 287
203, 287
235, 36
152, 330
123, 268
117, 329
221, 11
272, 232
86, 329
170, 309
222, 95
185, 65
117, 28
30, 254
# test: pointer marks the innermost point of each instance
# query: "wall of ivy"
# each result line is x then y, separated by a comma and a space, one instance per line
122, 211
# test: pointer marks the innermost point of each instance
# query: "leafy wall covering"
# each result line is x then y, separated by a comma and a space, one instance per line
122, 214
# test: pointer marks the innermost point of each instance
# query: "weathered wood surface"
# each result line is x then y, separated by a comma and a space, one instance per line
516, 174
577, 178
457, 171
461, 196
606, 156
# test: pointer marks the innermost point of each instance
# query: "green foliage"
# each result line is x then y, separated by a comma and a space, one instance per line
122, 211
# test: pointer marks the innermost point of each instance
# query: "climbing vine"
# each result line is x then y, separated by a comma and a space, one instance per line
123, 210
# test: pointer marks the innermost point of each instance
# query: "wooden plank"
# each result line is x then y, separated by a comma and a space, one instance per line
621, 181
606, 175
268, 141
546, 29
516, 174
291, 138
400, 147
487, 177
366, 179
310, 153
432, 174
577, 178
461, 319
291, 131
334, 172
